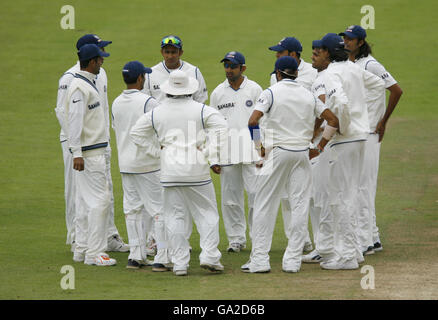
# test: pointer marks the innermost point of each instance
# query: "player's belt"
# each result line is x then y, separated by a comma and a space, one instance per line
95, 146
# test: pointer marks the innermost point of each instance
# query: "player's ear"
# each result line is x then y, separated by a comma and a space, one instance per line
243, 68
181, 52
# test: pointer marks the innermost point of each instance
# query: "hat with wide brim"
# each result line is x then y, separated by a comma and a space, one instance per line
179, 83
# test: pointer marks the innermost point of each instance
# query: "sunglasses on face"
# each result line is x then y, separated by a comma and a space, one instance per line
170, 40
230, 65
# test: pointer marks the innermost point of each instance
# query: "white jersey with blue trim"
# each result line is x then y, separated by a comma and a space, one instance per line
160, 73
289, 111
127, 108
237, 106
306, 75
376, 99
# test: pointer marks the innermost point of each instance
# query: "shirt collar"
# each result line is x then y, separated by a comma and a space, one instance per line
242, 85
88, 75
129, 91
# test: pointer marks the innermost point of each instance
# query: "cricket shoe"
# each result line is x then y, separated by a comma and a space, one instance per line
136, 264
368, 251
236, 247
246, 268
291, 270
161, 267
377, 247
116, 244
180, 272
312, 257
213, 267
101, 260
335, 265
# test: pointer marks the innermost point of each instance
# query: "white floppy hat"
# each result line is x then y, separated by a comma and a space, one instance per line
179, 83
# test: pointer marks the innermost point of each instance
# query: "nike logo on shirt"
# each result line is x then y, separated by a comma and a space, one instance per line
74, 101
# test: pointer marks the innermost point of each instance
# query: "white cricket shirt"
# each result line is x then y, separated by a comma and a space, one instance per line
160, 73
290, 111
126, 109
345, 84
376, 99
237, 106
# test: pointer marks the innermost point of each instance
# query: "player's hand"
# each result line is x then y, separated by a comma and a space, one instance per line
380, 129
78, 164
216, 168
313, 153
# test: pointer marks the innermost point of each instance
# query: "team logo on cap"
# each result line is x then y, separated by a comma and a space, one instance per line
231, 54
248, 103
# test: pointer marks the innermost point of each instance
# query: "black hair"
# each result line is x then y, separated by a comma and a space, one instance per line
296, 52
337, 54
286, 74
364, 50
84, 63
128, 79
179, 96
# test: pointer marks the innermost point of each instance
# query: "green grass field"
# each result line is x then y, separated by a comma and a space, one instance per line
35, 51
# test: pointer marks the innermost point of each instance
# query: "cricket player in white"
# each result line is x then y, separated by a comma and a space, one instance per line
87, 140
142, 191
290, 112
360, 53
291, 46
115, 243
181, 125
172, 50
234, 99
345, 84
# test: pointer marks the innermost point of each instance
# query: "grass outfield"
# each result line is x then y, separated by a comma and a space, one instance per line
35, 51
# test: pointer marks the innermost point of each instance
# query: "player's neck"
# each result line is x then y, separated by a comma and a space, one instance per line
236, 84
173, 67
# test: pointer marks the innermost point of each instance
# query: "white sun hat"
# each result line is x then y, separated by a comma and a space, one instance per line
179, 83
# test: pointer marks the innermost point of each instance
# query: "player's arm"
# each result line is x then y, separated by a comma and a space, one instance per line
337, 101
217, 129
318, 122
63, 85
144, 136
263, 106
202, 94
394, 97
75, 119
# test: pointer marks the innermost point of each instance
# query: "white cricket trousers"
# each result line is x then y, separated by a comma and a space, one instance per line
318, 201
345, 165
367, 227
200, 203
93, 200
285, 173
112, 229
69, 192
234, 179
143, 193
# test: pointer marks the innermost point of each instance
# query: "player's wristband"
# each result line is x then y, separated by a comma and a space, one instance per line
329, 132
255, 132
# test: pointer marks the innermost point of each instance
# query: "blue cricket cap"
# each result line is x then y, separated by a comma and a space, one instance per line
172, 40
286, 62
133, 69
354, 32
88, 51
289, 43
234, 57
332, 41
91, 39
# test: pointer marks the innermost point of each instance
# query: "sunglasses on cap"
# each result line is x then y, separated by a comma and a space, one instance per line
170, 40
230, 65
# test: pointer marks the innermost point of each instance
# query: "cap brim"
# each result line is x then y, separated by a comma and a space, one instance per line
178, 46
231, 60
147, 70
102, 43
317, 44
277, 48
190, 89
104, 54
348, 34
